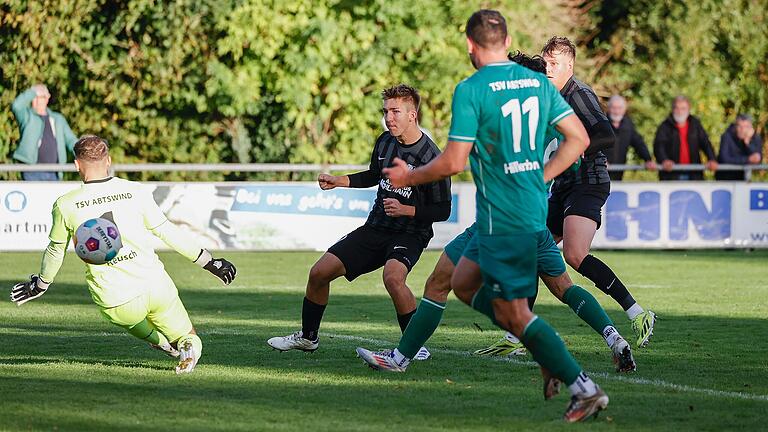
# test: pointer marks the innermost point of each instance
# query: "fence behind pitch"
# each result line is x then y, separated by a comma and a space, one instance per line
299, 216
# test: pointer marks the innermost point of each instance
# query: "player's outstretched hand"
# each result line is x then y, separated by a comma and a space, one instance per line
326, 181
219, 267
397, 173
23, 292
222, 269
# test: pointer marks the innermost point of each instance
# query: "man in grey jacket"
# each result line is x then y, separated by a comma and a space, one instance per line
45, 134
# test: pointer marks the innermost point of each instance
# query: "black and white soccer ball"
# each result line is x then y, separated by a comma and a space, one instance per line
97, 241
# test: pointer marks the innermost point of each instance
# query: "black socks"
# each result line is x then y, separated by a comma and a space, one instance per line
404, 319
606, 280
311, 315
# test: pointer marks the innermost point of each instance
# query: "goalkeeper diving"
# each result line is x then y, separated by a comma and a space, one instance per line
133, 290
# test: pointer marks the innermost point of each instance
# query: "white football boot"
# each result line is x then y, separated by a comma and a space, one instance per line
382, 360
423, 354
293, 341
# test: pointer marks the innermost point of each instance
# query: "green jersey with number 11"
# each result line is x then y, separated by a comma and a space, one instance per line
504, 109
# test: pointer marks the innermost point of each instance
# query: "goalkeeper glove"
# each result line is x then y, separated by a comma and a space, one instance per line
220, 267
23, 292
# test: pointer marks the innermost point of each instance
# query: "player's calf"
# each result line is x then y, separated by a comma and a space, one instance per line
438, 284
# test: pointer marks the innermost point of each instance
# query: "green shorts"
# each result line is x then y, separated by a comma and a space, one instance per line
510, 264
161, 306
455, 249
549, 261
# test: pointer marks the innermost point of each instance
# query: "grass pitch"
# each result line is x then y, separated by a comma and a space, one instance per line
63, 367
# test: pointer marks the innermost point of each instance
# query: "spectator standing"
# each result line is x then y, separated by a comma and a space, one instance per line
45, 134
626, 137
679, 140
739, 145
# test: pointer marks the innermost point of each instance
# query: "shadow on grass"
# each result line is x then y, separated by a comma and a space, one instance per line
81, 397
687, 349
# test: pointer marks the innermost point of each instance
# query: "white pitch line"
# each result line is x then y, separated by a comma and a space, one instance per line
383, 343
621, 378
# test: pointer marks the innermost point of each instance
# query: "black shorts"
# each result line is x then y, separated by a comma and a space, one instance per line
367, 249
585, 200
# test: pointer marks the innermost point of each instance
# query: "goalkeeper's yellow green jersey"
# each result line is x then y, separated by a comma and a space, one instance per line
132, 208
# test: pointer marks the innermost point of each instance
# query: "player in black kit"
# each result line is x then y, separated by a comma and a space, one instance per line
398, 228
577, 197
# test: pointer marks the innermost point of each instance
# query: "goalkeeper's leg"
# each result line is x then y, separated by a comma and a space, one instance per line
146, 331
132, 317
168, 314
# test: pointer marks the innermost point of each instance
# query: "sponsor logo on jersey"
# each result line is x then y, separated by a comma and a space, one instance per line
518, 167
405, 192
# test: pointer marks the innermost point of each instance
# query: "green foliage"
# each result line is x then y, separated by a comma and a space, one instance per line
133, 72
299, 81
713, 51
264, 81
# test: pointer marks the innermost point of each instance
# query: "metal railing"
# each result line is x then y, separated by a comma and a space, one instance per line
287, 167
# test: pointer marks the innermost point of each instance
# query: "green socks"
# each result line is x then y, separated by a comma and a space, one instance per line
146, 331
587, 308
421, 327
549, 350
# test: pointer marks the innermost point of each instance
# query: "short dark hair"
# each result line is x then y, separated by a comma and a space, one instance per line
744, 117
403, 91
91, 148
535, 63
559, 44
487, 28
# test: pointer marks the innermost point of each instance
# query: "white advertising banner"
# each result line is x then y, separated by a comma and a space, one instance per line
25, 213
299, 216
685, 215
237, 216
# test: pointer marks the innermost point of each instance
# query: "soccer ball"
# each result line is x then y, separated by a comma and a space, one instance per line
97, 241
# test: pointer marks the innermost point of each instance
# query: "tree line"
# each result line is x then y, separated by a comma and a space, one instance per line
299, 81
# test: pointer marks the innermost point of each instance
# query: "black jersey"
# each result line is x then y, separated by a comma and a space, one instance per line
386, 149
594, 166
